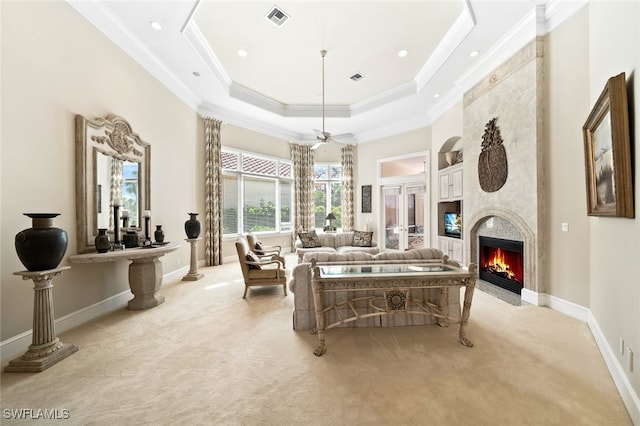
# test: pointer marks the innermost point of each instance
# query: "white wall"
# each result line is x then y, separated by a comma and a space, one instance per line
614, 251
565, 110
367, 164
55, 65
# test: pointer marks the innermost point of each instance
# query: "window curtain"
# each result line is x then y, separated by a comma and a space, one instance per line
302, 158
348, 216
115, 192
213, 192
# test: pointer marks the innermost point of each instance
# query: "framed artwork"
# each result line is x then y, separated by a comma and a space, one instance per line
607, 149
366, 198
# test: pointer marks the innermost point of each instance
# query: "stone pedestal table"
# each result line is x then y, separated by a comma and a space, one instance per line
145, 271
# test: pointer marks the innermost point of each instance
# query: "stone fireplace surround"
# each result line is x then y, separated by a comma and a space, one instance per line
513, 93
499, 223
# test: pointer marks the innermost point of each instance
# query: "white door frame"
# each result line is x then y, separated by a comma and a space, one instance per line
404, 180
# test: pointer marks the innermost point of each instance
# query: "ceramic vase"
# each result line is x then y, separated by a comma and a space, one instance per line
43, 246
159, 234
102, 241
130, 239
192, 226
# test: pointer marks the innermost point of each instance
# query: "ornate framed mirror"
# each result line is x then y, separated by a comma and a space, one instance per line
112, 167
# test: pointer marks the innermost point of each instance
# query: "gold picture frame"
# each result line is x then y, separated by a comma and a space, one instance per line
607, 147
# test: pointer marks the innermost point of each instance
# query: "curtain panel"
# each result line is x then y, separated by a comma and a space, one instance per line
348, 206
116, 180
302, 158
213, 192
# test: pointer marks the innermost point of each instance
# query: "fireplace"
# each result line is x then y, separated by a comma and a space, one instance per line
501, 263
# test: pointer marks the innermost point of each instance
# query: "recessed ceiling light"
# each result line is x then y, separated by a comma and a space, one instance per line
403, 53
474, 53
242, 53
155, 25
437, 95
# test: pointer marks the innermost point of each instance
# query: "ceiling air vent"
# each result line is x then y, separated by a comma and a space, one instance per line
356, 77
277, 16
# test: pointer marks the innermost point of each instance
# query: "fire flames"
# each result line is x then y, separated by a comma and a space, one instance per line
498, 266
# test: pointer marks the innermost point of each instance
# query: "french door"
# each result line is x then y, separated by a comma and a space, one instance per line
404, 212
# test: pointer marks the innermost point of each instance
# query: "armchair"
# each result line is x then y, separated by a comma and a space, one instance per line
260, 249
260, 271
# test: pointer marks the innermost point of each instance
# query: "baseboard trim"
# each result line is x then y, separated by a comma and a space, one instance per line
627, 393
629, 397
17, 345
563, 306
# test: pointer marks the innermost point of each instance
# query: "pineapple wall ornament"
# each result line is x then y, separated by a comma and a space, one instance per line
492, 163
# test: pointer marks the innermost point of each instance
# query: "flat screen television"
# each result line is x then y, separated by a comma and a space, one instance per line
453, 224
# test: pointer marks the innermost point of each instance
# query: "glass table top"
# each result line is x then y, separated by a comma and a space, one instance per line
335, 271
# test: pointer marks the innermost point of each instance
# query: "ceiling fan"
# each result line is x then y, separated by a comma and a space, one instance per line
323, 136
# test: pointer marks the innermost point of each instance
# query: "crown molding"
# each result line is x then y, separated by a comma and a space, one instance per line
449, 43
102, 18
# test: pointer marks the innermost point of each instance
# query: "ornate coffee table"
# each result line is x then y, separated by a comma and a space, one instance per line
393, 284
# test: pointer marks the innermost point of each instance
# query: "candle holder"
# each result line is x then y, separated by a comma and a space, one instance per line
147, 239
117, 244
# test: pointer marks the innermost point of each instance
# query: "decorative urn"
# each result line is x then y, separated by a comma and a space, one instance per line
42, 246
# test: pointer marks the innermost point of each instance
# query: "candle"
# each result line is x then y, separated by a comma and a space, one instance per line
147, 213
117, 200
125, 213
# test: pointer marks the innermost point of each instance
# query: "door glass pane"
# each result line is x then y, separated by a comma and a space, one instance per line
259, 205
415, 220
391, 220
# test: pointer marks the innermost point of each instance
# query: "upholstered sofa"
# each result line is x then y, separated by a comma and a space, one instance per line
335, 242
304, 311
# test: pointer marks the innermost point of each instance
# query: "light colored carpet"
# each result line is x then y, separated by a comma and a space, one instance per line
206, 356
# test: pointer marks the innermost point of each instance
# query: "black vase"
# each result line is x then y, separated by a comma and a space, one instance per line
192, 226
130, 239
159, 234
41, 247
102, 241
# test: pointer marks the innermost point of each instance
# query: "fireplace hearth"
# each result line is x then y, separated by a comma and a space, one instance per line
501, 263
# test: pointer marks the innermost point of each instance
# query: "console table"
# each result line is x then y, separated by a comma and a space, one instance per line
145, 271
393, 284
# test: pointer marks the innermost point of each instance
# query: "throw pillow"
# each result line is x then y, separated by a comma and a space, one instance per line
252, 257
362, 238
309, 239
259, 245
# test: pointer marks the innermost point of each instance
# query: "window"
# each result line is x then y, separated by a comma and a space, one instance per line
257, 193
327, 194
